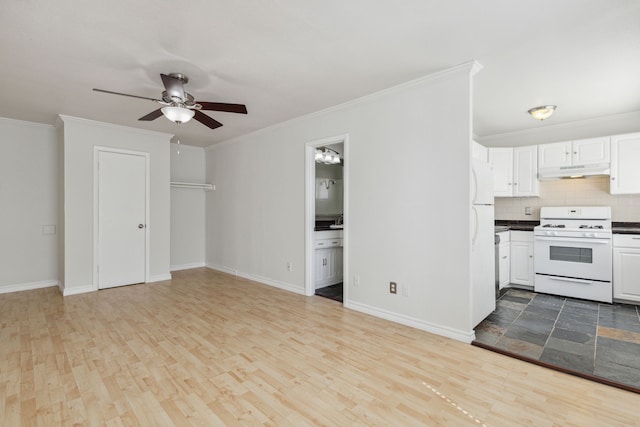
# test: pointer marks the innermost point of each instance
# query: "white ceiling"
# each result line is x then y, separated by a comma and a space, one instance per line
286, 58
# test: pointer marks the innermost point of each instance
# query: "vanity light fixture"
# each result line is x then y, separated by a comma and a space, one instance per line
178, 114
327, 156
542, 112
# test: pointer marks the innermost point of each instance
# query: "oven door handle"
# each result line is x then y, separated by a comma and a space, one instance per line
567, 279
566, 239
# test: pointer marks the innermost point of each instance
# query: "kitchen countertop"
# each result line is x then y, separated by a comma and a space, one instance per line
616, 227
625, 227
515, 225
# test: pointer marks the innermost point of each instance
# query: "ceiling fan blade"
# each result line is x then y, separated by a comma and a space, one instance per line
206, 120
173, 86
125, 94
152, 115
221, 106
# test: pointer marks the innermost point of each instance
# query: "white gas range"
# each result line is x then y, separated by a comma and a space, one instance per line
573, 252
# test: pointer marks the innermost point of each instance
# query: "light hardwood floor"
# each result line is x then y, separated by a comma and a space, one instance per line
210, 349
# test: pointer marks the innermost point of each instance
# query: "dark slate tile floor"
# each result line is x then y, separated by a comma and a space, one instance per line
592, 338
333, 292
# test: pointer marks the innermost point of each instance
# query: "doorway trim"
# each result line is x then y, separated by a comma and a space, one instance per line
96, 219
310, 209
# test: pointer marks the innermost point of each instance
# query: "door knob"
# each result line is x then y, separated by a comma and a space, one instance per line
140, 225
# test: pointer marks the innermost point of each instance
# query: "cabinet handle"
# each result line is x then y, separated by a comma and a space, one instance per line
320, 244
509, 184
575, 152
504, 257
635, 238
515, 183
613, 178
530, 256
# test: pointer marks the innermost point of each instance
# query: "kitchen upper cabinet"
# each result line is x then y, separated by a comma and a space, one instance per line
522, 258
515, 171
501, 161
625, 164
626, 267
554, 155
574, 153
591, 151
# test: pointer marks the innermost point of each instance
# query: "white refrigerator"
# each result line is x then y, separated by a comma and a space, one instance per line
483, 292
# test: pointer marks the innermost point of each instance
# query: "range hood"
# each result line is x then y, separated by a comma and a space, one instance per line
574, 171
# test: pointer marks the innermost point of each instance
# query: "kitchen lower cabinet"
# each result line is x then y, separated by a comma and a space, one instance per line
626, 267
504, 260
522, 258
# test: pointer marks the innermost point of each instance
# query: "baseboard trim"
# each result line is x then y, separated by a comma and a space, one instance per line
18, 287
227, 270
78, 290
260, 279
159, 278
466, 337
275, 283
188, 266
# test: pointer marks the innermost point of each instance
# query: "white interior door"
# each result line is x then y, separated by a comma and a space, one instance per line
121, 219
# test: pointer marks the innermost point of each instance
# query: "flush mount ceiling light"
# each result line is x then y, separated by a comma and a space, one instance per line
327, 156
178, 114
542, 112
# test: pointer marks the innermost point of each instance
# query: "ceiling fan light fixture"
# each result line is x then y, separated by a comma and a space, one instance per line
178, 114
542, 112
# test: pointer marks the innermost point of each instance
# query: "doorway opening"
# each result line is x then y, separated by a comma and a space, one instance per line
326, 218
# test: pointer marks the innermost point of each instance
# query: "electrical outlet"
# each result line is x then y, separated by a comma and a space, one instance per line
393, 287
289, 266
356, 280
527, 210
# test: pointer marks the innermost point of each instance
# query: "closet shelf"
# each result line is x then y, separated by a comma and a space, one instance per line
194, 185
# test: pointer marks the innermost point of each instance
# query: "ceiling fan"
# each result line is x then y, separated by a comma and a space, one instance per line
180, 106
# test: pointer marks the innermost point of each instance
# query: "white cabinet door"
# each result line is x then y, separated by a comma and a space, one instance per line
626, 267
328, 265
554, 155
522, 258
522, 263
501, 160
625, 164
504, 264
626, 271
321, 266
591, 151
525, 172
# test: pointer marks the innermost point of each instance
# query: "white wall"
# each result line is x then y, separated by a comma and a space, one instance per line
80, 138
28, 202
409, 166
187, 208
